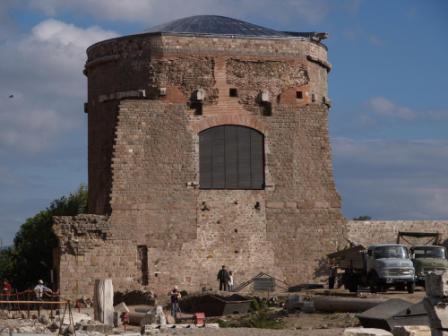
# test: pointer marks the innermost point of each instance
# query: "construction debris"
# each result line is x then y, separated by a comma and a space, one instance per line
216, 305
141, 319
333, 304
394, 312
436, 302
366, 332
135, 297
294, 302
436, 285
121, 308
89, 326
9, 326
411, 331
77, 318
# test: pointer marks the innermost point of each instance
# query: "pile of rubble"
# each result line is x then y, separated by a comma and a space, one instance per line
431, 312
17, 322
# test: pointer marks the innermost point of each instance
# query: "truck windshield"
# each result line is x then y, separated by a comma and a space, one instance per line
390, 252
429, 252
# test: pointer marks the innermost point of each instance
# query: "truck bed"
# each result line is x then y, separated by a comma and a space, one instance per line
349, 258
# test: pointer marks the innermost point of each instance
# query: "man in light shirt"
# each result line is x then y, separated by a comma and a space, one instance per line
40, 289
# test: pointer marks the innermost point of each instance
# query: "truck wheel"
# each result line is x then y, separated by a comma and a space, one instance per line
410, 286
374, 284
353, 288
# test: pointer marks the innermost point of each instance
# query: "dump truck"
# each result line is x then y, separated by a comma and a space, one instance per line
379, 267
428, 259
426, 253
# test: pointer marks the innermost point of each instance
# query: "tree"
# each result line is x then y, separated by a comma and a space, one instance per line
362, 218
6, 262
31, 256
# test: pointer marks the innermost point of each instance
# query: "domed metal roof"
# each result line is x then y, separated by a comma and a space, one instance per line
215, 25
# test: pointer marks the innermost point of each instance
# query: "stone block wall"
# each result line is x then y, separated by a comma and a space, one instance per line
87, 251
374, 232
144, 165
147, 62
152, 225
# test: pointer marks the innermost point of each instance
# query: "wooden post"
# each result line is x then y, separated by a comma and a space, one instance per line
28, 305
62, 320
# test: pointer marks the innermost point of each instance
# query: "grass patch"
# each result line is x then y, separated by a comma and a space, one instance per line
260, 316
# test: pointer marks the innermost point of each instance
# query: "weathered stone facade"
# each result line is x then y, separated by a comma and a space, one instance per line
144, 176
386, 232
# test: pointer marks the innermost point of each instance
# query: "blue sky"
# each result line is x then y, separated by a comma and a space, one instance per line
388, 123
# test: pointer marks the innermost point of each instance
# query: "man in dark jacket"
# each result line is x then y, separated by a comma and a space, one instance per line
223, 278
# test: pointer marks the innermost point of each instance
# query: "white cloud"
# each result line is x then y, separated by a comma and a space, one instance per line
43, 70
157, 11
392, 179
59, 33
385, 107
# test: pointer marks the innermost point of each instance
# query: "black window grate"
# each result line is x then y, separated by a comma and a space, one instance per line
231, 157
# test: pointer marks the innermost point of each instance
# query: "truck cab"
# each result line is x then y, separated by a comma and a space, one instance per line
389, 265
428, 259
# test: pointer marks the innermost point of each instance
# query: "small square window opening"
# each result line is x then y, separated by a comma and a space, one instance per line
233, 92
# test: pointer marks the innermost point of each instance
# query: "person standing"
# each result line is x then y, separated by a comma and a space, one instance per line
6, 291
40, 289
7, 288
230, 281
174, 300
223, 278
332, 272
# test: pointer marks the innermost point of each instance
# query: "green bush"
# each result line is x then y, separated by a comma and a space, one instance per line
259, 316
30, 258
264, 319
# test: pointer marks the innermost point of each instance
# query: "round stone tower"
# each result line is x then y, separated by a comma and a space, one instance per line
208, 146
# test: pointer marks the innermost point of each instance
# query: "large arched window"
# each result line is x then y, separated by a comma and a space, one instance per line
231, 157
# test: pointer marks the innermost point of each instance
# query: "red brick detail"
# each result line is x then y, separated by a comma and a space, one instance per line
289, 97
174, 95
242, 120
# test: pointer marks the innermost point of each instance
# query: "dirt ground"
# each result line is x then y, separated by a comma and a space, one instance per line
260, 332
294, 323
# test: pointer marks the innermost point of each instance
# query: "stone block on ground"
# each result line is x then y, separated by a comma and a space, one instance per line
437, 312
160, 316
148, 318
121, 308
77, 318
212, 325
43, 318
103, 301
169, 319
366, 332
411, 331
4, 314
20, 333
294, 302
96, 327
436, 285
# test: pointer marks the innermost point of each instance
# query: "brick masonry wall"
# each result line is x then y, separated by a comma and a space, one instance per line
371, 232
149, 61
144, 167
